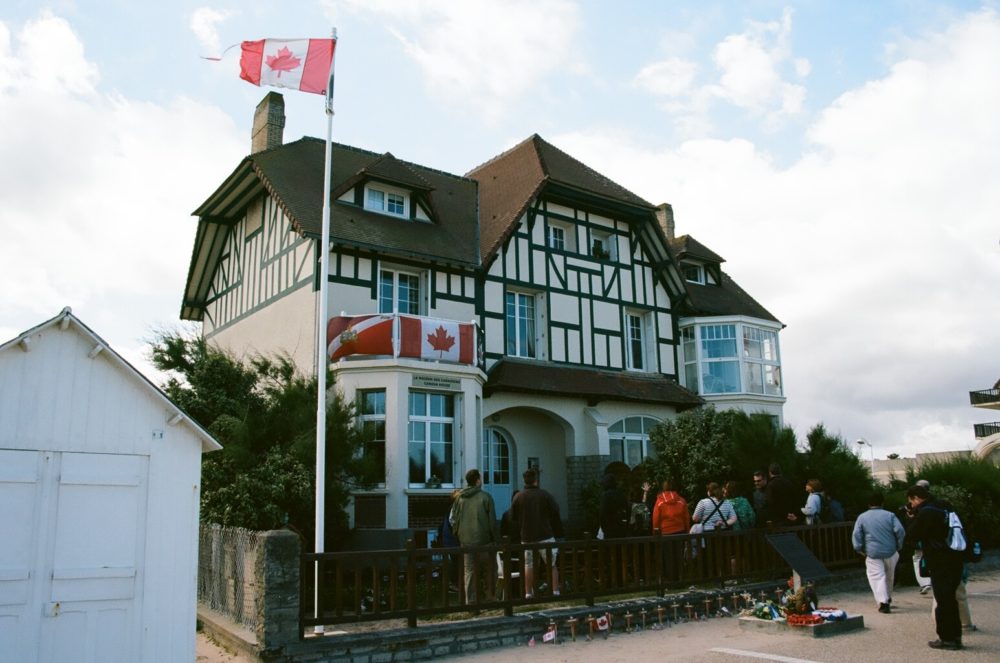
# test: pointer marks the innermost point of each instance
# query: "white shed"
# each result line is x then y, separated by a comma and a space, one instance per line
100, 479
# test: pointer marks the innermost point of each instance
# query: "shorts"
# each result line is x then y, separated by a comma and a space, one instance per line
529, 561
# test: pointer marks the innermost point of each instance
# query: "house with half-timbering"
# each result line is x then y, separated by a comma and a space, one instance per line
531, 313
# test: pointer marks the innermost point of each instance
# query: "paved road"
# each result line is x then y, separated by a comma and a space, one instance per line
900, 636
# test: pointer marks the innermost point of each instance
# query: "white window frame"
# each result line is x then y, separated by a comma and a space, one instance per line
429, 420
635, 326
396, 274
696, 366
557, 237
525, 341
622, 441
383, 207
373, 418
699, 275
769, 363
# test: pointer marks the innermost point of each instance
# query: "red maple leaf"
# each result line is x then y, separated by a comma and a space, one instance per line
440, 340
285, 60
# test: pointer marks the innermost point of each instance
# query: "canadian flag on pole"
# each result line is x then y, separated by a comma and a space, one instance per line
442, 340
358, 335
603, 623
300, 64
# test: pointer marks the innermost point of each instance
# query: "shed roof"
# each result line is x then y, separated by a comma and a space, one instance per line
67, 321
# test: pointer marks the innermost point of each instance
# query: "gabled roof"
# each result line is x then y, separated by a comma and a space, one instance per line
595, 385
67, 321
293, 174
686, 246
509, 182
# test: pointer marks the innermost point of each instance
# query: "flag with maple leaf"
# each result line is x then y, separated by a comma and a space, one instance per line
358, 335
441, 340
300, 64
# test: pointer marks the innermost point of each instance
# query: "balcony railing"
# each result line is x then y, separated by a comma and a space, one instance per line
987, 430
408, 336
985, 398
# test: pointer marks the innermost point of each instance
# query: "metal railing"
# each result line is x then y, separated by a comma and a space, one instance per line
985, 397
986, 430
421, 582
226, 579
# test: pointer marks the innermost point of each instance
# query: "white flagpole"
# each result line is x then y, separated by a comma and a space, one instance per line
321, 322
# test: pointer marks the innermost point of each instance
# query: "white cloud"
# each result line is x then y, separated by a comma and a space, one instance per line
751, 75
97, 189
878, 247
668, 78
204, 25
750, 68
479, 53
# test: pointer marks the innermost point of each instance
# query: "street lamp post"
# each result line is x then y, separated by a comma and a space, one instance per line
862, 441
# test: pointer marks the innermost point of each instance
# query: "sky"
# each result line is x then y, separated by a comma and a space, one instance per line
842, 157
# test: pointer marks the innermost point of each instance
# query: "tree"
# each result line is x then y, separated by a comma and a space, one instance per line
830, 459
263, 412
972, 486
693, 449
706, 444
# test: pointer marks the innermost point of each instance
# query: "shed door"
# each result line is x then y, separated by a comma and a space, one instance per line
84, 582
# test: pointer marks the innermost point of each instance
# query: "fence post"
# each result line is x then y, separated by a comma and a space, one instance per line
508, 586
411, 583
659, 558
277, 573
588, 571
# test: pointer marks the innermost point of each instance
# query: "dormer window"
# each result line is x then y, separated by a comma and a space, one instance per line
386, 200
693, 273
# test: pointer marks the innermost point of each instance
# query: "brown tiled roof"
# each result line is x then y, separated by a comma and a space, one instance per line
594, 385
509, 182
686, 246
728, 298
725, 298
293, 174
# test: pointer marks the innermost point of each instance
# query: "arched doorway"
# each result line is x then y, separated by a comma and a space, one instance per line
497, 465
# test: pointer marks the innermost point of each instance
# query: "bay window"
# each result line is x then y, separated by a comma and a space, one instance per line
727, 358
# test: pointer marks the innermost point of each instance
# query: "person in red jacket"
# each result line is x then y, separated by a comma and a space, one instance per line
670, 513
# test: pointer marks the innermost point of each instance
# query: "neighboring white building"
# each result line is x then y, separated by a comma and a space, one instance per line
568, 278
987, 434
99, 484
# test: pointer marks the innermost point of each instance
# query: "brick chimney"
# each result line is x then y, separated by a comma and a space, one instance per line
268, 123
665, 216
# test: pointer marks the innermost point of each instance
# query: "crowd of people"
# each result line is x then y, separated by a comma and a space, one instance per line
879, 535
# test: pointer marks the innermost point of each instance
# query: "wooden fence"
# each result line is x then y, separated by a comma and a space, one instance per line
421, 582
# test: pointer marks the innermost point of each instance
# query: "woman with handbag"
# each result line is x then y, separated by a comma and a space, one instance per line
712, 513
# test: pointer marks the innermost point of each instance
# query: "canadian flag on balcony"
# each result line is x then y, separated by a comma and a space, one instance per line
441, 340
358, 335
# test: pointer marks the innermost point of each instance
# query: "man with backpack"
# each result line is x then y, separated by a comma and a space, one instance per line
931, 529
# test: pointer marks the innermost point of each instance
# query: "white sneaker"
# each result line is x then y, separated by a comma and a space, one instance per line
925, 590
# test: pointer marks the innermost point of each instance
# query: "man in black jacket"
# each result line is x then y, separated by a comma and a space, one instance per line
614, 509
783, 499
930, 528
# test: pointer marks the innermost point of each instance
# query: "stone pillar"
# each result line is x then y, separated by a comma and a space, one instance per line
580, 471
277, 575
